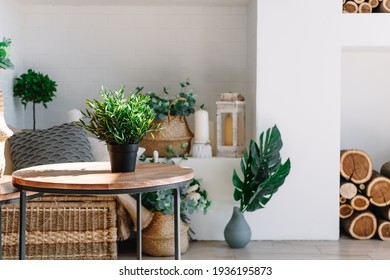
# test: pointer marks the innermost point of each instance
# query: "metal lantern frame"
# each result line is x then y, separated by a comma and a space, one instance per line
237, 111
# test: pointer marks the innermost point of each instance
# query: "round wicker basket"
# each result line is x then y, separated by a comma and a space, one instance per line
158, 239
175, 132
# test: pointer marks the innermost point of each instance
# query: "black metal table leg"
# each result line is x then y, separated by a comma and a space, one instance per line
22, 231
139, 227
176, 193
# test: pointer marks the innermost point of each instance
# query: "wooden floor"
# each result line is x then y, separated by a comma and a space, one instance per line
342, 249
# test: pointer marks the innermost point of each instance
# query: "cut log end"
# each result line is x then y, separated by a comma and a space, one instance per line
356, 166
350, 7
360, 225
365, 8
378, 191
384, 6
346, 211
373, 3
384, 229
360, 203
348, 190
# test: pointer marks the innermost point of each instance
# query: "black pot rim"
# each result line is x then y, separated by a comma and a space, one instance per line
122, 147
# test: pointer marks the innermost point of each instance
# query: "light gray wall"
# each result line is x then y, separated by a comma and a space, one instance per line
11, 26
83, 48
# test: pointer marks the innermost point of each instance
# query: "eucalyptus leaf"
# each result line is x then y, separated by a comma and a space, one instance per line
181, 104
5, 46
193, 198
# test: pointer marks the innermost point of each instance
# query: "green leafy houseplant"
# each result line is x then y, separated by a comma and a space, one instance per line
174, 137
192, 199
121, 122
263, 171
117, 119
5, 62
182, 104
36, 88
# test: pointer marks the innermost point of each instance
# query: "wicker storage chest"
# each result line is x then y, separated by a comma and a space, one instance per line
63, 228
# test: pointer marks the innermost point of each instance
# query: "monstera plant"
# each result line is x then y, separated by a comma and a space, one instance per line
263, 171
263, 174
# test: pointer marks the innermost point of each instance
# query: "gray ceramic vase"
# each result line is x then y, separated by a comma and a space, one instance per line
237, 232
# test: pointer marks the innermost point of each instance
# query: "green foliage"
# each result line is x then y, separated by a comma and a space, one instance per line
262, 170
5, 62
116, 119
36, 88
193, 199
184, 106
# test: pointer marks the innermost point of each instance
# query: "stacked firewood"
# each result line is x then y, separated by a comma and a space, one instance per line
366, 6
364, 196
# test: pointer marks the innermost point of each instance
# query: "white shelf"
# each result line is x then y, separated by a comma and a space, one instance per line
138, 2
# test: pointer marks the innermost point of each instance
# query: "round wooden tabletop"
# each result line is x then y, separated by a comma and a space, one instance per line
97, 178
8, 193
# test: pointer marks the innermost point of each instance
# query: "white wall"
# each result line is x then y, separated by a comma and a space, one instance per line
364, 88
85, 47
252, 66
299, 90
298, 85
11, 26
365, 99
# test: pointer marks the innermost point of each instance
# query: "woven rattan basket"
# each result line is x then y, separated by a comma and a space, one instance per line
174, 132
158, 239
62, 228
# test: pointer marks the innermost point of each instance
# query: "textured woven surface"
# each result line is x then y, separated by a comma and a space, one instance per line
158, 239
58, 144
63, 227
174, 132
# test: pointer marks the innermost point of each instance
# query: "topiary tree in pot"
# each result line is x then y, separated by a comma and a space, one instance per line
34, 87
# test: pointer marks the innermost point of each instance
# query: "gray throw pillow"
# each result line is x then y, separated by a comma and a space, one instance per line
59, 144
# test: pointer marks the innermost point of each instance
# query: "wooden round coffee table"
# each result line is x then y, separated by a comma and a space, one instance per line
94, 178
10, 195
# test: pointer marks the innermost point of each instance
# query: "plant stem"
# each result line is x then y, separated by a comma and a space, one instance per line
34, 115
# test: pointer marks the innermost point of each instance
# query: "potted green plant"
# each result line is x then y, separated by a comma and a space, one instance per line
174, 137
263, 173
158, 236
121, 122
34, 87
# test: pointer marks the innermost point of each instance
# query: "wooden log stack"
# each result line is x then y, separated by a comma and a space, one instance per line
364, 196
366, 6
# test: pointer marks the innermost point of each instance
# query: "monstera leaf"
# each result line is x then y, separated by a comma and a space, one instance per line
263, 171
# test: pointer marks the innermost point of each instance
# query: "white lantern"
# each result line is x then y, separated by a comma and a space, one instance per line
230, 128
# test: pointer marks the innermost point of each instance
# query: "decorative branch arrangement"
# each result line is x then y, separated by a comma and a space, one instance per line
366, 6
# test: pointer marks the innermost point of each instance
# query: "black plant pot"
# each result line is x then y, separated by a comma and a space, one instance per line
123, 158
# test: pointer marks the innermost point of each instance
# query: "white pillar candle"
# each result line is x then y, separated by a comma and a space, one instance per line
155, 156
201, 126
